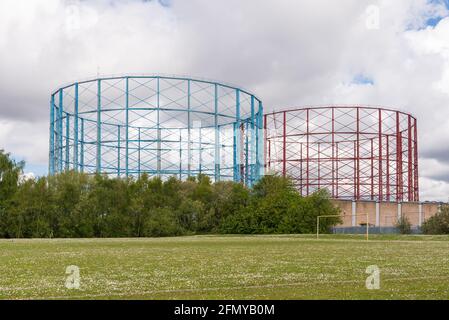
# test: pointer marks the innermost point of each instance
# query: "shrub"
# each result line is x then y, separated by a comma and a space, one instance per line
276, 207
403, 225
438, 224
77, 205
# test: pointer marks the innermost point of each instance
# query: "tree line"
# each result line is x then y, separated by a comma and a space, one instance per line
76, 205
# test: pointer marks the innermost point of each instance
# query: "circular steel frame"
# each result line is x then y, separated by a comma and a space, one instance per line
159, 125
356, 152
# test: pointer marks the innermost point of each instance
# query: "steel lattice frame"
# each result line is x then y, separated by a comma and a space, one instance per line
159, 125
356, 152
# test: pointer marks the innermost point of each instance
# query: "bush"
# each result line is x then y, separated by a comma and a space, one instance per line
438, 224
161, 223
403, 225
277, 208
77, 205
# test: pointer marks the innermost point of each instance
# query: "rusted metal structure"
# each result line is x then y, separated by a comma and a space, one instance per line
356, 152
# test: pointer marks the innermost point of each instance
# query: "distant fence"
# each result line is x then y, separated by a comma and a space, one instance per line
372, 230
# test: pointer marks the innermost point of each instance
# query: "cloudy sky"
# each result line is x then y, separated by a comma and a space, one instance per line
289, 52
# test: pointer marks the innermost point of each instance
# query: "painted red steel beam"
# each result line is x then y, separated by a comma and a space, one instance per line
284, 164
388, 170
380, 170
416, 172
410, 161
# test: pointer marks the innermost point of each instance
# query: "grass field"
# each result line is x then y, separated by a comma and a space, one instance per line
234, 267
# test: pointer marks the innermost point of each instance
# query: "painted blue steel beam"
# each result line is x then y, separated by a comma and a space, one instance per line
189, 128
82, 147
237, 138
180, 155
60, 124
67, 142
159, 143
99, 127
51, 168
127, 125
253, 146
76, 131
217, 136
139, 150
261, 144
119, 141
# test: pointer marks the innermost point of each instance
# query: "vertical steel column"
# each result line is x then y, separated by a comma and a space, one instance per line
217, 137
82, 147
301, 170
242, 152
159, 136
254, 144
260, 152
267, 144
319, 166
358, 155
51, 168
354, 179
284, 147
247, 153
336, 171
180, 154
60, 124
380, 170
399, 190
388, 182
372, 169
99, 127
127, 126
67, 141
76, 129
200, 150
415, 169
119, 151
139, 154
189, 129
237, 139
410, 161
333, 152
308, 152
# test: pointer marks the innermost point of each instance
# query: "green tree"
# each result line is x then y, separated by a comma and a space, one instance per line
161, 222
438, 224
10, 172
276, 207
10, 225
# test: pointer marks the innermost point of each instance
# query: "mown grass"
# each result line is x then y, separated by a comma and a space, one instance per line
233, 267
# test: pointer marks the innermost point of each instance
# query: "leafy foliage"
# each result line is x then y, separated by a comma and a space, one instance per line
275, 207
76, 205
403, 225
438, 224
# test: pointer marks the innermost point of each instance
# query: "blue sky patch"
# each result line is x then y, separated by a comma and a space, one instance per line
362, 79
